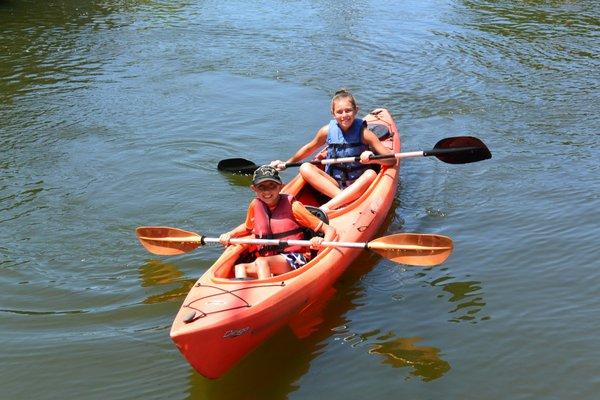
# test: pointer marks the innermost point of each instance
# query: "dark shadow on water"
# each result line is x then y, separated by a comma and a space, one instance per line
238, 180
273, 371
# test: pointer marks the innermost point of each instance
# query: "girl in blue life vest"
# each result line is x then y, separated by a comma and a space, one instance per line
345, 136
272, 215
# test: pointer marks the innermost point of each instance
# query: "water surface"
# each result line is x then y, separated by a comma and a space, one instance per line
114, 115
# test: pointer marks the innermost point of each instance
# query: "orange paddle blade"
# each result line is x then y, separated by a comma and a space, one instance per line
166, 241
413, 248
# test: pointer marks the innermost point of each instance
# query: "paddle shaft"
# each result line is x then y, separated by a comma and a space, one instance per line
410, 154
306, 243
452, 150
353, 245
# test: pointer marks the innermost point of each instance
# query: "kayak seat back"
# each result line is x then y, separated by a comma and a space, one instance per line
309, 196
309, 233
381, 131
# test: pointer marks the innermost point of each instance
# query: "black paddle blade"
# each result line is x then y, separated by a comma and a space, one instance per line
460, 150
237, 166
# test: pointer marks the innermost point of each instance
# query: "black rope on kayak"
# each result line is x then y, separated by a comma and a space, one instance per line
193, 317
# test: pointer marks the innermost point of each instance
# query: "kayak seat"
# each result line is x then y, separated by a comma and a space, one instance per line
309, 196
308, 233
381, 131
317, 212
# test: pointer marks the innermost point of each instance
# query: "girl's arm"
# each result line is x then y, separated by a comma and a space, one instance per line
316, 143
374, 143
328, 231
329, 235
240, 230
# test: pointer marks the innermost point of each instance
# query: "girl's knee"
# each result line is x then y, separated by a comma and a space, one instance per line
366, 178
369, 174
263, 270
307, 169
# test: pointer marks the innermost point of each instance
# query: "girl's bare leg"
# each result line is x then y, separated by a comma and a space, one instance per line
320, 180
352, 192
324, 183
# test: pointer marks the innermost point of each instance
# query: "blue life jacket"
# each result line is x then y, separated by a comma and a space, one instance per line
345, 144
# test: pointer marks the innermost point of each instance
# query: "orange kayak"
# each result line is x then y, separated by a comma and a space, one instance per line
221, 320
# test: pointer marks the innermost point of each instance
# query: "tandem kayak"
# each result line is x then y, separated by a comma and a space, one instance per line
221, 320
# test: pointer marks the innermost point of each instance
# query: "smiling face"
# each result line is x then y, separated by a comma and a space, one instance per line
268, 191
344, 111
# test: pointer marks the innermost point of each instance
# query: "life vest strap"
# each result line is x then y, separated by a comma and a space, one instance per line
344, 145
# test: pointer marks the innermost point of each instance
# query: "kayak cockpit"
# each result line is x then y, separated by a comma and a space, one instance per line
223, 271
224, 268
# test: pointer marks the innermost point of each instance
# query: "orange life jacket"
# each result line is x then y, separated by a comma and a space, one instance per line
277, 224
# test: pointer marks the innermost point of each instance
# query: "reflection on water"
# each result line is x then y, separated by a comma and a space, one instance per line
403, 352
398, 352
156, 272
238, 180
272, 371
467, 296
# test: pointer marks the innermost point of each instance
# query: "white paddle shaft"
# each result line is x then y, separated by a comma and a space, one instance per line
383, 156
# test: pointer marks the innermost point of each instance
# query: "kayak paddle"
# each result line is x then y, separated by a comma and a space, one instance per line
237, 166
452, 150
404, 248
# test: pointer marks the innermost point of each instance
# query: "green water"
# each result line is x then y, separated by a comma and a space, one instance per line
115, 114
